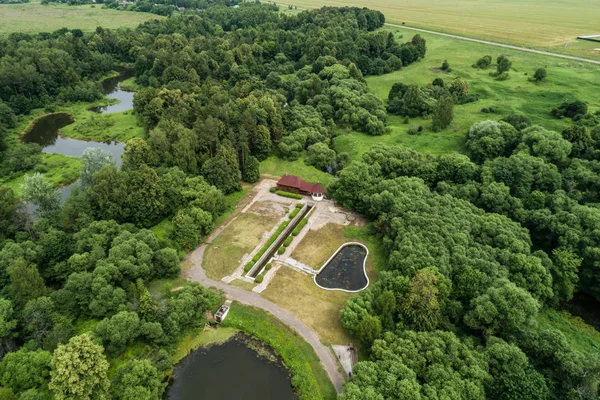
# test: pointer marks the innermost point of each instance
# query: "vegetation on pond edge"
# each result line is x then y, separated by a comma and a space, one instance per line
309, 379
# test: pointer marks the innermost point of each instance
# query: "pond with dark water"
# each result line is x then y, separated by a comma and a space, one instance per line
45, 132
112, 90
345, 270
241, 368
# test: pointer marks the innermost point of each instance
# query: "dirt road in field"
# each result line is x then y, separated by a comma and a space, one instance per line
507, 46
197, 274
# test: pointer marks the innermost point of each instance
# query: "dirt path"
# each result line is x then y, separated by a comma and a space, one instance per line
508, 46
196, 273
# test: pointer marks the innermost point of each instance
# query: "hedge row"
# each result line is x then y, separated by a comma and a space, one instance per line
290, 195
273, 237
296, 210
288, 241
249, 266
299, 227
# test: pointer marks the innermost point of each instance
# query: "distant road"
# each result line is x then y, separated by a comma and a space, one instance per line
508, 46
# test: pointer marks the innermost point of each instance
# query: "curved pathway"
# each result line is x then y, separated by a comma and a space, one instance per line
196, 273
508, 46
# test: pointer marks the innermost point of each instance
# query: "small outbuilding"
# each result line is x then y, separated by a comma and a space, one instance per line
295, 184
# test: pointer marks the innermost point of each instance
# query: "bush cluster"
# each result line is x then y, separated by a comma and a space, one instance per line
272, 239
299, 227
288, 194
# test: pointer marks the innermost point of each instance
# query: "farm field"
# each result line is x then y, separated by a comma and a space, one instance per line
566, 80
526, 23
34, 17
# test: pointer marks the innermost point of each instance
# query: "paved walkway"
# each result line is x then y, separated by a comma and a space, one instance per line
507, 46
197, 274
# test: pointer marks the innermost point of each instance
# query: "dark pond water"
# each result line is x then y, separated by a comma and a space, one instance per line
231, 371
111, 89
45, 132
345, 270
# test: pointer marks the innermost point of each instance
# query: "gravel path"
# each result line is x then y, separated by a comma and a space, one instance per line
508, 46
196, 273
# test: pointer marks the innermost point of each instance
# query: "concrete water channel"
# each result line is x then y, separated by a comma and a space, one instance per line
266, 257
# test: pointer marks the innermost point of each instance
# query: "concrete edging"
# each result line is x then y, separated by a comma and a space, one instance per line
333, 255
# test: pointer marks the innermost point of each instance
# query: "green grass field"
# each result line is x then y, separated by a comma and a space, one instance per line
34, 17
566, 80
580, 336
58, 169
524, 22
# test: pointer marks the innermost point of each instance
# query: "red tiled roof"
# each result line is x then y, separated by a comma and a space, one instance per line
298, 183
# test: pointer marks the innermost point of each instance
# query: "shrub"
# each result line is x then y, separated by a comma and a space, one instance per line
406, 120
249, 266
503, 76
281, 250
259, 278
288, 241
268, 266
299, 205
540, 74
415, 130
294, 213
483, 63
273, 189
446, 66
299, 227
438, 82
289, 195
570, 109
519, 120
272, 239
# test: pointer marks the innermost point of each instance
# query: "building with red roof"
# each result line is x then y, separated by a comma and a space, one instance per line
295, 184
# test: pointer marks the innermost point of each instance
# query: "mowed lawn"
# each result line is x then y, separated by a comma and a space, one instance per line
522, 22
241, 236
316, 307
566, 80
34, 17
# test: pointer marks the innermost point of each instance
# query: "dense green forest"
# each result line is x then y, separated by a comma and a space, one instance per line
477, 245
222, 92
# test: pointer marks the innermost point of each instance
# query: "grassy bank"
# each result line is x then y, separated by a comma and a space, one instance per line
33, 17
308, 377
202, 337
580, 336
275, 166
58, 169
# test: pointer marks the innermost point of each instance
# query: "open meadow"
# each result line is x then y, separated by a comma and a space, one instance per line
34, 17
552, 23
567, 80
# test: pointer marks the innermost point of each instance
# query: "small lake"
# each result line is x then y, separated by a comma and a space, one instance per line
345, 270
45, 132
111, 89
231, 371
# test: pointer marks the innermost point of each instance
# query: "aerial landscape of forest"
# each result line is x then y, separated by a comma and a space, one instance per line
310, 200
